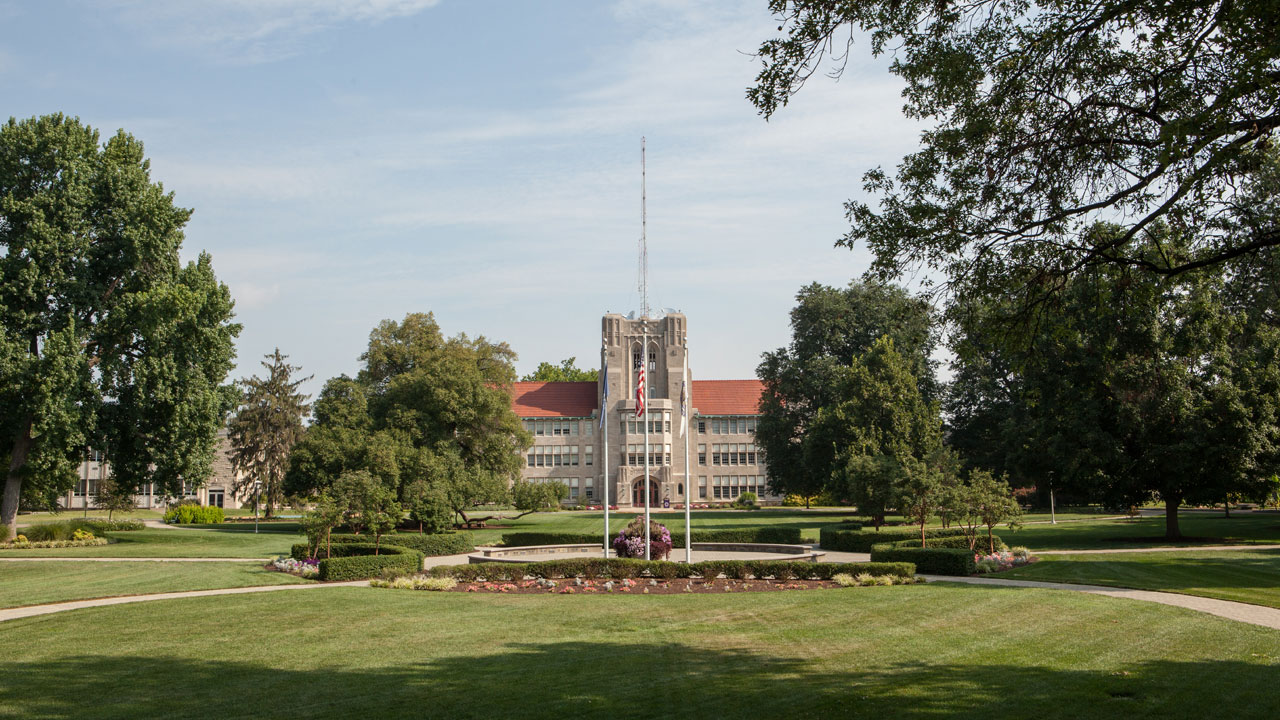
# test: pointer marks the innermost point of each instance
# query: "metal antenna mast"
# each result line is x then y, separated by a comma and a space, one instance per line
644, 245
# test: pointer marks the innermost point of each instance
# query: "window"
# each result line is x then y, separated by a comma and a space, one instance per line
589, 490
702, 487
532, 456
587, 459
573, 456
702, 454
715, 426
573, 488
667, 419
751, 453
573, 427
635, 359
590, 427
702, 426
653, 361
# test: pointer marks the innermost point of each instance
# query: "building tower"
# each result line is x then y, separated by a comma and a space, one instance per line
623, 466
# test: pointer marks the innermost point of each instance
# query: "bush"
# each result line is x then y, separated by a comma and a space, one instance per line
67, 529
932, 561
356, 561
22, 543
619, 568
841, 539
428, 545
194, 515
746, 501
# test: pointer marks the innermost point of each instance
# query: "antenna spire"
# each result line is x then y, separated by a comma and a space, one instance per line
644, 244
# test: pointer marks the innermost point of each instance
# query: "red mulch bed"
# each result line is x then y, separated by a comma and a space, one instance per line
639, 586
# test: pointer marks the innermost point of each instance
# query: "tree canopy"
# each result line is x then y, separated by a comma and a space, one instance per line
566, 371
1044, 118
424, 408
106, 338
831, 329
1132, 386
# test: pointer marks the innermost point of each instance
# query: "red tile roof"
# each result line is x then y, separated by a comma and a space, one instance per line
727, 397
578, 399
554, 399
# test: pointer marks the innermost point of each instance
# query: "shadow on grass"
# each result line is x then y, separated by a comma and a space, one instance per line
616, 680
1258, 569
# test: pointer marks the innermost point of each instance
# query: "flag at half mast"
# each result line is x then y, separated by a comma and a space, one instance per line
604, 400
640, 392
684, 397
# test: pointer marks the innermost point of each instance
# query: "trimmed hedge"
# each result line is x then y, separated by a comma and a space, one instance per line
841, 539
428, 545
931, 561
356, 561
619, 568
194, 515
65, 529
782, 535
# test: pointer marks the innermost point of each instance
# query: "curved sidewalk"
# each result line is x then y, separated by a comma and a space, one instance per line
34, 610
1240, 612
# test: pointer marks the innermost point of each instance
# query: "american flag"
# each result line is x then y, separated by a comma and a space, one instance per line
640, 392
684, 398
604, 401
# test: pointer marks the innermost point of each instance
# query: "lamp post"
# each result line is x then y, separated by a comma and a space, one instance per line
257, 493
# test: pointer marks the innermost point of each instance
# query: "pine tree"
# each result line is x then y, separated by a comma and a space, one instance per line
265, 428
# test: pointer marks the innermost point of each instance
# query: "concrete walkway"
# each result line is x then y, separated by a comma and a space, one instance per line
33, 610
1240, 612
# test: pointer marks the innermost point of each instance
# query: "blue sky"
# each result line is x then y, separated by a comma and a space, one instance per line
354, 161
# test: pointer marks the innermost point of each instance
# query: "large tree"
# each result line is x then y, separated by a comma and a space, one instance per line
424, 408
106, 338
566, 371
1046, 116
265, 428
1130, 387
831, 328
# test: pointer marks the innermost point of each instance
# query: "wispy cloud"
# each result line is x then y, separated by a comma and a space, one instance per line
253, 31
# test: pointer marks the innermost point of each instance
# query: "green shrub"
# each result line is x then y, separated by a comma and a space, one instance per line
841, 539
66, 529
428, 545
781, 535
930, 561
619, 568
194, 515
356, 561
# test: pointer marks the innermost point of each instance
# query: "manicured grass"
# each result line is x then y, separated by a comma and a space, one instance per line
1251, 576
913, 652
34, 583
1240, 529
229, 541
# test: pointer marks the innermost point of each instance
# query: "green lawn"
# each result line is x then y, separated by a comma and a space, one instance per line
229, 541
1251, 576
35, 583
1147, 532
912, 652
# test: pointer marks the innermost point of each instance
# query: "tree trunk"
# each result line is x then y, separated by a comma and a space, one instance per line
1226, 507
1171, 531
923, 543
13, 481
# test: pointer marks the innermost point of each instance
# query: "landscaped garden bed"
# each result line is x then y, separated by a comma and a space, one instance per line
636, 586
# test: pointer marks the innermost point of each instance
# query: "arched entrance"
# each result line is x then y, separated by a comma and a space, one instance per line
637, 493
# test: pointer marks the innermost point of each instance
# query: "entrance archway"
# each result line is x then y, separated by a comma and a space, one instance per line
637, 493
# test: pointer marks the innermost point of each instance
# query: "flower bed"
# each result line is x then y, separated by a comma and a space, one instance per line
79, 538
1002, 560
630, 541
630, 586
306, 567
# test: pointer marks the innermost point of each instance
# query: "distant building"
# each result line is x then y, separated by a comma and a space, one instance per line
569, 443
219, 491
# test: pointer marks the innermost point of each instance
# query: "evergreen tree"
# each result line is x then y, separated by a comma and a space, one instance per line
265, 429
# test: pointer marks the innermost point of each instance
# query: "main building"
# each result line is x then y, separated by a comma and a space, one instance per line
570, 437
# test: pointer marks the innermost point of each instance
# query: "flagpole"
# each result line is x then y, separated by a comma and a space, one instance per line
604, 461
686, 399
644, 366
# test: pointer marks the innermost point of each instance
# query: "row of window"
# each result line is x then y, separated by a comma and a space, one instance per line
540, 427
729, 487
728, 454
730, 425
578, 487
659, 422
659, 454
558, 456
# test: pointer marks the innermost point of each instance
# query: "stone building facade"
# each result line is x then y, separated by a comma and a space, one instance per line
570, 438
218, 491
